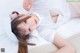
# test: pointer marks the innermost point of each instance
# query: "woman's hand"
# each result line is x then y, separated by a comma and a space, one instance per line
23, 17
27, 4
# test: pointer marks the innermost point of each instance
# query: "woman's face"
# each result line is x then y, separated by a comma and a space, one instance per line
28, 26
27, 4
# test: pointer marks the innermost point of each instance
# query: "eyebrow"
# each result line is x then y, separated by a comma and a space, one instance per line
16, 21
22, 20
29, 29
25, 21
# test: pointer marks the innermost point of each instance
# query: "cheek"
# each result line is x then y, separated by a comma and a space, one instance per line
22, 32
33, 27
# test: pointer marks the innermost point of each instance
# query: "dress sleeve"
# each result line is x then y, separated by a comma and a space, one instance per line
34, 37
62, 8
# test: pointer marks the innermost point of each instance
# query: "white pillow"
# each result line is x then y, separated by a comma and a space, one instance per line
6, 7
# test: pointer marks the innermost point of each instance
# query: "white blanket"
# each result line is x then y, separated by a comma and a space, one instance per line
69, 29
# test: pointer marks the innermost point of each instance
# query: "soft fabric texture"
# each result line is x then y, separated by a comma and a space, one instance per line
34, 37
47, 28
69, 29
9, 6
7, 38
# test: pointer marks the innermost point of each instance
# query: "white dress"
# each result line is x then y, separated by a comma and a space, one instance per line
42, 8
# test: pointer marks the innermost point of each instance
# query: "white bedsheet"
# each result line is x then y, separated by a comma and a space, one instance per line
40, 42
69, 29
12, 47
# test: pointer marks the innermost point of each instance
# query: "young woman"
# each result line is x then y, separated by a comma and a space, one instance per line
24, 28
46, 28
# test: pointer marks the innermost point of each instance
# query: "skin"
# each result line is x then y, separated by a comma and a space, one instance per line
54, 16
27, 4
29, 25
63, 45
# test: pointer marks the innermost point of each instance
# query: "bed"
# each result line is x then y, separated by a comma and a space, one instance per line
68, 31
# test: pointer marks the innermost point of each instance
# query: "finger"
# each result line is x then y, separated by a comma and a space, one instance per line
20, 15
24, 17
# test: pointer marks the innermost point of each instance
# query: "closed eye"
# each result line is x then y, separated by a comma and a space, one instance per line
29, 29
25, 21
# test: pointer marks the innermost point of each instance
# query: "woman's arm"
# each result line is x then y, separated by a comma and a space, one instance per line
63, 45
